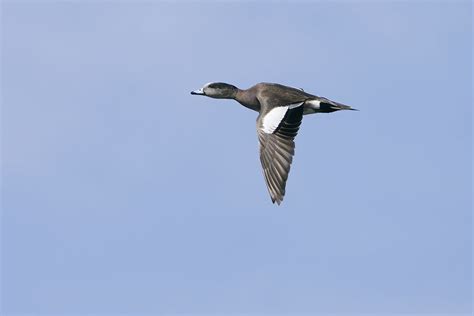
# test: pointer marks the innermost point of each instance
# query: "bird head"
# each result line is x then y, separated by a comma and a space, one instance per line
217, 90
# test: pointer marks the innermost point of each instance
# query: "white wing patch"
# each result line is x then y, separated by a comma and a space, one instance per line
295, 105
272, 119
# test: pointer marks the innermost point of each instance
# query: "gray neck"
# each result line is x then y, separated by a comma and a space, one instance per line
247, 98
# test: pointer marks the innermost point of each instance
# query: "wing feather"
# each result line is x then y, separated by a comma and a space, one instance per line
277, 148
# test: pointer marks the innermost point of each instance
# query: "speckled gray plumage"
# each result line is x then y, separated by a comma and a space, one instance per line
277, 146
277, 150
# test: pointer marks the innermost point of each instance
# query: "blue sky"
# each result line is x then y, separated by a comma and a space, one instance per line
122, 193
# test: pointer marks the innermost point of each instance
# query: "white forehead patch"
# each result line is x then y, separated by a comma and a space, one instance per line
272, 119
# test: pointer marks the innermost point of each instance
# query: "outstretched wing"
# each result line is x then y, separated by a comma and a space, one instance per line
276, 130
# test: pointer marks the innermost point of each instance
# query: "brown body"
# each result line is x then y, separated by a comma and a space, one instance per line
281, 109
278, 95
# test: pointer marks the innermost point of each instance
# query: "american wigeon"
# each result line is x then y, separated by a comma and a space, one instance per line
281, 109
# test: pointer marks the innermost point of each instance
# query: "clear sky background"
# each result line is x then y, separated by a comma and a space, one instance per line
122, 193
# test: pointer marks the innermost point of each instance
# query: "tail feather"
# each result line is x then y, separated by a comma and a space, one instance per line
336, 105
327, 105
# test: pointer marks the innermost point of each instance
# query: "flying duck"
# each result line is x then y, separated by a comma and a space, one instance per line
281, 109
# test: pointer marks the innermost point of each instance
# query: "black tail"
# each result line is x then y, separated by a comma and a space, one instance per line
331, 106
